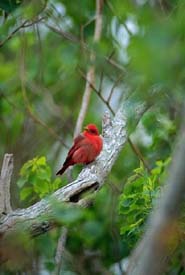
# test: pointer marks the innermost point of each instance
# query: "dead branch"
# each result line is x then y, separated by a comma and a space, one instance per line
5, 178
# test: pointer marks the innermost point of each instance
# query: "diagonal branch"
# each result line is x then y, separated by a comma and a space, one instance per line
24, 24
91, 178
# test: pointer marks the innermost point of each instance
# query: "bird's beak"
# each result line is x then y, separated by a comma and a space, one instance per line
86, 129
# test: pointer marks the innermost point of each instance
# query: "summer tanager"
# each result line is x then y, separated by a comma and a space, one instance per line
87, 146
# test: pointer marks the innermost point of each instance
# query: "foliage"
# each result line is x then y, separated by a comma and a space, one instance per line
9, 5
35, 180
138, 198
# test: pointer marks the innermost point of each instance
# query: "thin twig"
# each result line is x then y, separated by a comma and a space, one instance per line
97, 92
85, 102
84, 26
12, 33
60, 250
115, 64
111, 54
113, 12
66, 35
25, 24
114, 86
138, 153
74, 39
101, 82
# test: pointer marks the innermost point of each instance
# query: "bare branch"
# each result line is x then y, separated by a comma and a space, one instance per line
66, 35
98, 22
85, 101
114, 86
25, 24
138, 153
151, 253
60, 250
91, 72
5, 179
101, 82
13, 33
98, 92
72, 38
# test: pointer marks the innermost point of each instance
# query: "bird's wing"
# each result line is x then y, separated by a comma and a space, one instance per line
77, 143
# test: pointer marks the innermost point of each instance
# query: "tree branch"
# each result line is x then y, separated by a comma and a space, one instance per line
25, 24
152, 251
5, 178
60, 250
91, 178
91, 71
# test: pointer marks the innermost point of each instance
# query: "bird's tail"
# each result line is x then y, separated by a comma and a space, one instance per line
62, 170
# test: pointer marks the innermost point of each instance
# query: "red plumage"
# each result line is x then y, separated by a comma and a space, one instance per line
87, 146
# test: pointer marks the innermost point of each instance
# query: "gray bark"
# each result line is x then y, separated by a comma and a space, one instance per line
5, 179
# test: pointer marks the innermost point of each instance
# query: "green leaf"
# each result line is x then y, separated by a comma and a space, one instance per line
21, 182
41, 161
56, 183
25, 193
41, 188
139, 195
44, 173
37, 174
9, 5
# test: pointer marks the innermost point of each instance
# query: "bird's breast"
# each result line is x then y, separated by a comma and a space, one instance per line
96, 145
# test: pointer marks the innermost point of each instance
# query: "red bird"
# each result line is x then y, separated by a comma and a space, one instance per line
87, 146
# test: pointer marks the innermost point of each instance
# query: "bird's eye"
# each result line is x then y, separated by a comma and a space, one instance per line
92, 131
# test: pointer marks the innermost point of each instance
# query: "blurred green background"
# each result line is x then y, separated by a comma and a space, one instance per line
140, 57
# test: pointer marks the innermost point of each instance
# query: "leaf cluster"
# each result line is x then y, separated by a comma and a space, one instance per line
35, 180
138, 198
